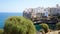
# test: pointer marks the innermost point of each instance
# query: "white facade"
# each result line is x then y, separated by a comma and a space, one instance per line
55, 11
41, 12
35, 12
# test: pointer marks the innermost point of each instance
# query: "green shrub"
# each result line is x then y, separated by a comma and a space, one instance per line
45, 27
58, 25
19, 25
42, 30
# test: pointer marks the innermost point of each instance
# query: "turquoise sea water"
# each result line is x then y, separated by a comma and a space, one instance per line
4, 16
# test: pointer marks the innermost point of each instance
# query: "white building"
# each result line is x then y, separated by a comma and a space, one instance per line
55, 10
35, 13
27, 13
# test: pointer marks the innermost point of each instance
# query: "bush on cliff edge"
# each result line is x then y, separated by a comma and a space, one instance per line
45, 27
19, 25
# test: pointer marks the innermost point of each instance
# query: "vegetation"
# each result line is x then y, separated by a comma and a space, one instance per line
45, 27
1, 31
19, 25
58, 25
42, 30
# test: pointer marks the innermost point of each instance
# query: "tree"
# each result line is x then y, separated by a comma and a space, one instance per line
19, 25
58, 25
45, 27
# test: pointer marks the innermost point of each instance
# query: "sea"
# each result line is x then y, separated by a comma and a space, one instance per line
4, 16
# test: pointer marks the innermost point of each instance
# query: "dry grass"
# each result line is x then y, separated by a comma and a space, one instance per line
1, 31
53, 32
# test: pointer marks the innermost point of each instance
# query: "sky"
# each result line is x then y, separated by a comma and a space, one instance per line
20, 5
